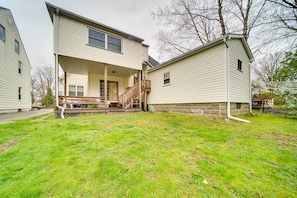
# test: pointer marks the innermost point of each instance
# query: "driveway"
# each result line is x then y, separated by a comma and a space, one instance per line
10, 117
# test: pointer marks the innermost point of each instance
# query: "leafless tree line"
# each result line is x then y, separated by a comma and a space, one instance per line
190, 23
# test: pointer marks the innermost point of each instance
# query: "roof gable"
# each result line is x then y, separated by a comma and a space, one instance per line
54, 10
206, 46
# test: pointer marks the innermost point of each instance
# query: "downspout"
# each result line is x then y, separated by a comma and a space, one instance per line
57, 65
228, 86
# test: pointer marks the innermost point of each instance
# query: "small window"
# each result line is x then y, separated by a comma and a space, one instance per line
20, 93
72, 91
239, 65
2, 33
113, 43
238, 105
167, 78
80, 90
16, 47
96, 38
20, 67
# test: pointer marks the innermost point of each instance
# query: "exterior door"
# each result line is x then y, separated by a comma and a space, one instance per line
112, 90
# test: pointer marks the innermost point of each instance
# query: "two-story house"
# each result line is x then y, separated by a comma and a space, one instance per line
107, 67
15, 67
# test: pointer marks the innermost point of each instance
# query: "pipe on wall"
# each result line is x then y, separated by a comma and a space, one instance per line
57, 63
228, 85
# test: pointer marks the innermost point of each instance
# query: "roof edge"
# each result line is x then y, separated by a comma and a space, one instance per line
204, 47
52, 10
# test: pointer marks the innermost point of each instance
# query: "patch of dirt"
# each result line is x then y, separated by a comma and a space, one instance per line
286, 141
7, 146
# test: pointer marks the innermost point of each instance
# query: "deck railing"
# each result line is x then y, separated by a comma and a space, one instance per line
80, 101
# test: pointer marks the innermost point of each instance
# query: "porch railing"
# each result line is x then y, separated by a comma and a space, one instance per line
80, 101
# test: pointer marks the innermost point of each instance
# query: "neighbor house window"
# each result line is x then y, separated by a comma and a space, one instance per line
104, 41
16, 46
72, 91
76, 90
20, 93
2, 33
239, 65
167, 78
20, 67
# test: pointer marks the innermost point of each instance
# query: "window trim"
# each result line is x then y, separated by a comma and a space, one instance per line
76, 90
20, 67
4, 36
16, 47
105, 40
239, 65
20, 93
165, 79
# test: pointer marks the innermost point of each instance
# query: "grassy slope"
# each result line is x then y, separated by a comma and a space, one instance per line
149, 155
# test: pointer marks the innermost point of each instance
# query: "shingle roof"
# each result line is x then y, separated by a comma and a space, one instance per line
53, 9
206, 46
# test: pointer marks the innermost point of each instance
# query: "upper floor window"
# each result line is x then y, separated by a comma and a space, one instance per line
105, 41
16, 47
20, 67
166, 78
239, 65
2, 33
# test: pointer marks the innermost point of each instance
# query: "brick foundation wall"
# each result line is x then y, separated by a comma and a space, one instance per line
209, 110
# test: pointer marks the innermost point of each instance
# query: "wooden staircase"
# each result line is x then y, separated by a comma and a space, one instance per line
132, 98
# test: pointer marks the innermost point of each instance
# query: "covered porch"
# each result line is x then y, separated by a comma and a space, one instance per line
107, 88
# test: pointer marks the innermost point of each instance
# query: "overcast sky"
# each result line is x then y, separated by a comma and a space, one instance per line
36, 29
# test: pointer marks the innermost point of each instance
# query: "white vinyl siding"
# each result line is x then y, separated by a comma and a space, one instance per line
77, 89
239, 80
10, 79
73, 42
197, 79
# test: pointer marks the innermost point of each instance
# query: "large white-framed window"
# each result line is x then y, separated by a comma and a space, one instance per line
20, 67
16, 46
103, 40
76, 90
166, 78
2, 33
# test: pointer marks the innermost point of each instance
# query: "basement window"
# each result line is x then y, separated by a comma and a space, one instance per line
238, 105
239, 65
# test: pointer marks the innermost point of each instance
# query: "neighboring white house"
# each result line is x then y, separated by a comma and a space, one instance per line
212, 80
15, 67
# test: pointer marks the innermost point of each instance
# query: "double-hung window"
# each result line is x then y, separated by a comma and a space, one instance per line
104, 41
239, 65
76, 90
2, 33
20, 67
16, 46
20, 93
166, 78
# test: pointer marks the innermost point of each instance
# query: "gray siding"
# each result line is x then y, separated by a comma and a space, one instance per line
200, 78
239, 80
10, 79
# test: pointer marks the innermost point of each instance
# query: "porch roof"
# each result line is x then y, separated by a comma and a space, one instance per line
82, 66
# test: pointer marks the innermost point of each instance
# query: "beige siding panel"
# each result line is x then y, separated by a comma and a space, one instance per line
73, 39
10, 79
94, 84
77, 80
144, 53
196, 79
239, 80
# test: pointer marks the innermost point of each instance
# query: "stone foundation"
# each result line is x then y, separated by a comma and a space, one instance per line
209, 110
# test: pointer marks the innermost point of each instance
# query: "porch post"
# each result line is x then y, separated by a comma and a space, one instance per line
105, 85
145, 100
65, 83
139, 89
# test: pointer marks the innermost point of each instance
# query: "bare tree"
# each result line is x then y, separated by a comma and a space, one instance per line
42, 80
265, 68
190, 23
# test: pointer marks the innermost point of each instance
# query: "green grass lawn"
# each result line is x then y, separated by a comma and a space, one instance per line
149, 155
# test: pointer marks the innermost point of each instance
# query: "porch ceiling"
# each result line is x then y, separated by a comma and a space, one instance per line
82, 66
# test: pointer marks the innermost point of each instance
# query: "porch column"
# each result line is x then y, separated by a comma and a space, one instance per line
105, 85
139, 89
65, 83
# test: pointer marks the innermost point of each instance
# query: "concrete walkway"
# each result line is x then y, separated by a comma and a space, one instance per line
10, 117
